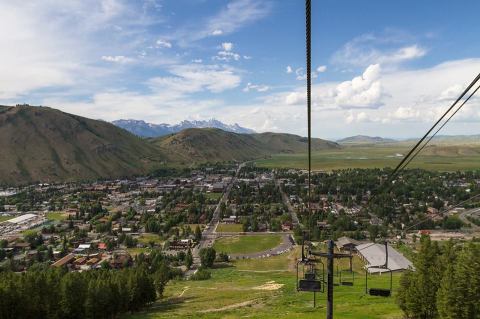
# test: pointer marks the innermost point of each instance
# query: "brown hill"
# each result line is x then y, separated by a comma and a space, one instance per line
44, 144
209, 145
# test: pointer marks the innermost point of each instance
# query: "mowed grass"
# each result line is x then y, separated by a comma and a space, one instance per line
56, 216
5, 218
246, 244
379, 156
229, 228
265, 288
146, 238
213, 196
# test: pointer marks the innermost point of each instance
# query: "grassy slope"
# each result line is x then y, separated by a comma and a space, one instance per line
201, 145
44, 144
247, 244
232, 293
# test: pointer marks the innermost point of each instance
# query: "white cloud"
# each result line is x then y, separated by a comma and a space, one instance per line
117, 59
247, 57
197, 60
255, 87
227, 54
227, 46
234, 16
196, 78
363, 91
163, 44
322, 68
387, 50
302, 76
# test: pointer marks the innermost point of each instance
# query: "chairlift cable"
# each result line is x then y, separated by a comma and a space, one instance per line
438, 130
308, 40
406, 158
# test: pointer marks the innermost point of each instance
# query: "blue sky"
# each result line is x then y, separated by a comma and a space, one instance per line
386, 68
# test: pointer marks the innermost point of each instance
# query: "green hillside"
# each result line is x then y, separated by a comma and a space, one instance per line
44, 144
202, 145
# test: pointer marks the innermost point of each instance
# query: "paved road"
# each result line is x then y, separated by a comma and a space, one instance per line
209, 233
286, 201
475, 212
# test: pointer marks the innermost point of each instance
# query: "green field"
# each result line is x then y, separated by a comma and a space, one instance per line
229, 228
148, 237
214, 196
246, 244
56, 216
5, 218
442, 158
265, 288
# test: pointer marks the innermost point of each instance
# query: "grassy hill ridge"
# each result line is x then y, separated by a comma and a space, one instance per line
209, 144
44, 144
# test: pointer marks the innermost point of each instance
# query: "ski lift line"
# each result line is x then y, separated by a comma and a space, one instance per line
399, 166
387, 184
436, 132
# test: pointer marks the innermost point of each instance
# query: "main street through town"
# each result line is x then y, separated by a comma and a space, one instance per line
209, 233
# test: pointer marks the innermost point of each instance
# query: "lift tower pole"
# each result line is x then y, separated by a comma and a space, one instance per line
330, 258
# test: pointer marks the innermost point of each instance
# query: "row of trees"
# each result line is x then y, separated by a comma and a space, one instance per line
54, 293
445, 284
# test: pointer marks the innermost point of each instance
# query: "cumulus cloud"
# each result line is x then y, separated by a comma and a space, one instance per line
289, 69
227, 46
227, 54
217, 32
301, 75
363, 91
255, 87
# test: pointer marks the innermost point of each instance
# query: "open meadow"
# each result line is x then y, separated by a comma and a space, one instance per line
265, 288
442, 157
245, 244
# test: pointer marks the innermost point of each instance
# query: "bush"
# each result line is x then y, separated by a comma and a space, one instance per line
201, 274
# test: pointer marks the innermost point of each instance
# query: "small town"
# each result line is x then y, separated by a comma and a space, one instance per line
108, 224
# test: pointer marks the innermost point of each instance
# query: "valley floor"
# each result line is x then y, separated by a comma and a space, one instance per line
442, 158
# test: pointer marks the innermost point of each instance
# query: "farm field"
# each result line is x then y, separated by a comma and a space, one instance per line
442, 158
229, 228
265, 288
245, 244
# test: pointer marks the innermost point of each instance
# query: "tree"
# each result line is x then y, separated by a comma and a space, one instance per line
161, 277
207, 257
189, 259
418, 289
198, 233
459, 294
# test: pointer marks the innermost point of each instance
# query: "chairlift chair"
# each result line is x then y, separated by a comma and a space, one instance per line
381, 292
308, 278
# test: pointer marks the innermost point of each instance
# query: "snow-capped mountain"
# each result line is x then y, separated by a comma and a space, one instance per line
144, 129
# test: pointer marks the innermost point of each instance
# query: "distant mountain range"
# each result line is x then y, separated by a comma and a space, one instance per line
144, 129
364, 139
